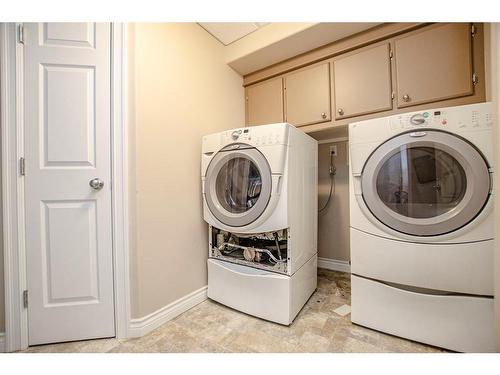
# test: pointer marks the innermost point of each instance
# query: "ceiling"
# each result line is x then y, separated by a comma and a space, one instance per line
251, 46
229, 32
280, 41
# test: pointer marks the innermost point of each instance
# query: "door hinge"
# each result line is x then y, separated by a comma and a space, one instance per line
391, 55
473, 30
25, 299
392, 95
20, 33
475, 80
22, 166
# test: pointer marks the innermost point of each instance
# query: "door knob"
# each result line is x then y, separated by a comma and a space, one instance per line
96, 183
341, 112
406, 97
323, 115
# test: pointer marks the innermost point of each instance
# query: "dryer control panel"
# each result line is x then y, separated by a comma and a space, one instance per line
466, 118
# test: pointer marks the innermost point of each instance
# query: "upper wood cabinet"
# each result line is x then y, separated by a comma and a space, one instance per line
390, 69
264, 102
434, 64
362, 81
307, 95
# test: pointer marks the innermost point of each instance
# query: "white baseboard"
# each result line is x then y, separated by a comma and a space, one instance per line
334, 265
2, 342
141, 326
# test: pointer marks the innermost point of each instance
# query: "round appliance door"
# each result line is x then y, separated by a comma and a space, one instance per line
425, 183
238, 186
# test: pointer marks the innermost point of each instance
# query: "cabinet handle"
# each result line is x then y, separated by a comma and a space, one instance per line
323, 115
341, 112
406, 97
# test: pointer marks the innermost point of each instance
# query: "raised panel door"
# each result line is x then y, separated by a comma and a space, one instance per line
362, 81
307, 93
264, 102
67, 143
434, 64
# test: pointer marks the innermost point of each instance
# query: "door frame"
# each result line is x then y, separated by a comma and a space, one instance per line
11, 120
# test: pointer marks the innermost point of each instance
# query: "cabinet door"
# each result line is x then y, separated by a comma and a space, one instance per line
307, 94
265, 102
362, 82
434, 64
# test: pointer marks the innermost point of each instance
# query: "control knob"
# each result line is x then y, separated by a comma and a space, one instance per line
235, 134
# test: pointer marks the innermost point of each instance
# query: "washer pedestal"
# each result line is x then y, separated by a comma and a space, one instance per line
261, 293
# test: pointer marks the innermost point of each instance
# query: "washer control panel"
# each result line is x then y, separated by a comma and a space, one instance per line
257, 136
237, 135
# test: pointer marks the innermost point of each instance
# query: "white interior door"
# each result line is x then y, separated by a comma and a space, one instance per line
67, 144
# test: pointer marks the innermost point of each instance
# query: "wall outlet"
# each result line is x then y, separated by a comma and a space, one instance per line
333, 150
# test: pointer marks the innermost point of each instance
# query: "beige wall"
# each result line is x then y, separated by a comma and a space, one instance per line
333, 223
181, 90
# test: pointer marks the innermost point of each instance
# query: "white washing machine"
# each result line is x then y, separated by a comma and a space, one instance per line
260, 201
421, 207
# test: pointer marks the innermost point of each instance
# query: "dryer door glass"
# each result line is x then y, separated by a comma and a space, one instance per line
421, 182
426, 183
238, 185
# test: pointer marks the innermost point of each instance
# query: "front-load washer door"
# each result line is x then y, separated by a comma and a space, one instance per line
238, 185
426, 183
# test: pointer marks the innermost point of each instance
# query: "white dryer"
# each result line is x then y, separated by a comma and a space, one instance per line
422, 229
259, 189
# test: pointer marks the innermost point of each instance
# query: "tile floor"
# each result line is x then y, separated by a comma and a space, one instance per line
211, 327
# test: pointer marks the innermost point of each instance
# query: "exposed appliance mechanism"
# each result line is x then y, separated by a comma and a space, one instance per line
263, 250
